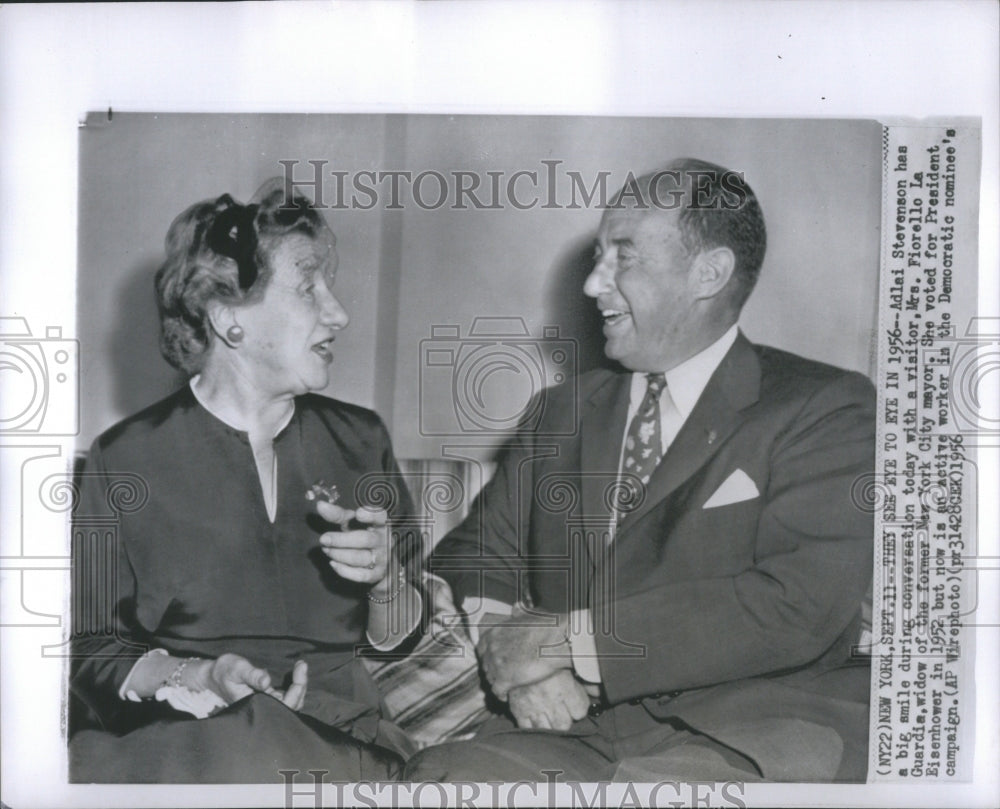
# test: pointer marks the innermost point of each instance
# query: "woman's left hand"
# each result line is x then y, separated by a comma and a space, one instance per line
295, 695
360, 555
232, 677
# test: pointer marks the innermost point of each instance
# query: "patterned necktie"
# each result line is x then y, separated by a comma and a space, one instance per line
643, 448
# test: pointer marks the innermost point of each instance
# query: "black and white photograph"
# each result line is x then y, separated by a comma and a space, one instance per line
572, 297
407, 453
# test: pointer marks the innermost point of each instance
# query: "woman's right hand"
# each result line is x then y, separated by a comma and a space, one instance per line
362, 555
233, 677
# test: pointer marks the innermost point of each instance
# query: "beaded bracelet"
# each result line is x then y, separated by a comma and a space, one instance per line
392, 595
174, 680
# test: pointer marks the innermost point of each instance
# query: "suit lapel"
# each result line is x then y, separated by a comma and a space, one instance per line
601, 429
734, 386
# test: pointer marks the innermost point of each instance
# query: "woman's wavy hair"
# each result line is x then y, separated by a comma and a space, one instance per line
218, 251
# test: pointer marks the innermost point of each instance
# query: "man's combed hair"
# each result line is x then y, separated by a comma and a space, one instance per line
217, 251
716, 209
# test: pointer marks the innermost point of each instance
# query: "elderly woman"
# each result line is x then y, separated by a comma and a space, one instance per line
240, 597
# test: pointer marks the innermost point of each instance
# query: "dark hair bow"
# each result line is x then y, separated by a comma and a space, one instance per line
232, 234
292, 210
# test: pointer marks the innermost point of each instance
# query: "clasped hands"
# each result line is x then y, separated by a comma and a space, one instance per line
528, 663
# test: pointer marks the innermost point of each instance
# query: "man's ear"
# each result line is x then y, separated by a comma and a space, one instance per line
712, 271
224, 323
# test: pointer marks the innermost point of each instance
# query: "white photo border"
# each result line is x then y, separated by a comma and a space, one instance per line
882, 60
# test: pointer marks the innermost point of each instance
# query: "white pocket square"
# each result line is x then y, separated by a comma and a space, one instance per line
734, 489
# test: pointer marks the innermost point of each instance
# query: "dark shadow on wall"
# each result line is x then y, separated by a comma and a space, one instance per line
576, 314
140, 374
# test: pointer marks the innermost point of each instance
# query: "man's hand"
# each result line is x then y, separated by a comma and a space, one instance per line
233, 677
523, 649
552, 704
359, 555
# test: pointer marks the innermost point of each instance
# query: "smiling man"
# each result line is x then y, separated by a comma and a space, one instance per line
691, 612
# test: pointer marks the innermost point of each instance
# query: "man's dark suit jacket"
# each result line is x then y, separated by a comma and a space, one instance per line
737, 619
